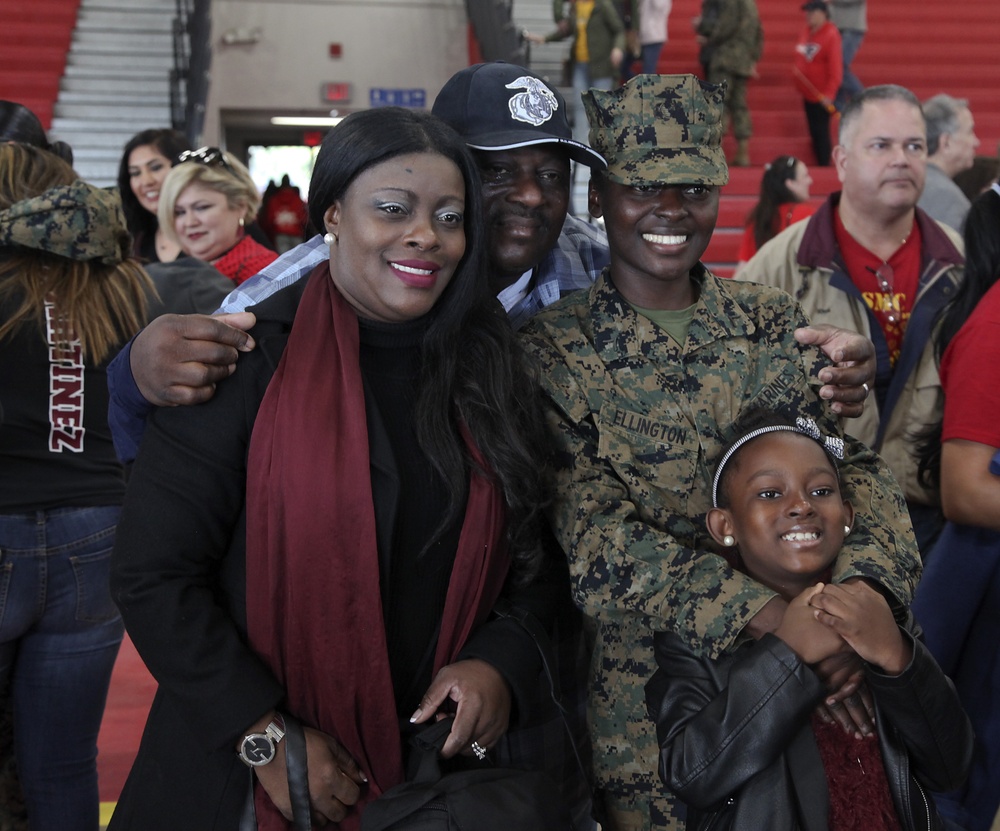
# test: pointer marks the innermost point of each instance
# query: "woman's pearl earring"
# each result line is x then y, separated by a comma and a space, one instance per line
847, 530
729, 540
330, 238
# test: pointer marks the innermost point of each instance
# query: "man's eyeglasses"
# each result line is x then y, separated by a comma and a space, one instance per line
886, 281
208, 156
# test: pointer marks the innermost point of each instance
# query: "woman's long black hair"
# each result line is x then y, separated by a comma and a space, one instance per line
18, 123
141, 223
473, 370
982, 271
774, 193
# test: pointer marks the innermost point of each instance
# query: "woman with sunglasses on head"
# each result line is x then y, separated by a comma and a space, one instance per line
784, 200
145, 163
206, 203
69, 298
326, 538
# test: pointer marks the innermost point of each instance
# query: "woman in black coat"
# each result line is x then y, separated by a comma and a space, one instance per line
327, 536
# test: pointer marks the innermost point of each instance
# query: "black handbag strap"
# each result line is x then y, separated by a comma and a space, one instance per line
298, 773
507, 610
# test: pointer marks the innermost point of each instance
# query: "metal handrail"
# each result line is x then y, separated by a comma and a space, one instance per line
192, 58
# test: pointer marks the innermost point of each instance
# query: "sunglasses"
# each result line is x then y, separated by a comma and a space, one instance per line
208, 156
886, 279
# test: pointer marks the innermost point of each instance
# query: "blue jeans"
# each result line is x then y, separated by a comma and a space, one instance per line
649, 57
850, 86
59, 636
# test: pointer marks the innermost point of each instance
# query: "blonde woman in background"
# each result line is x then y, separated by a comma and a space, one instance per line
206, 202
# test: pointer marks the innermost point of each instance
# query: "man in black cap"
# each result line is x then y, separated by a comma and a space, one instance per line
516, 124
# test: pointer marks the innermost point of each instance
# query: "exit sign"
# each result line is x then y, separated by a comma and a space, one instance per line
336, 93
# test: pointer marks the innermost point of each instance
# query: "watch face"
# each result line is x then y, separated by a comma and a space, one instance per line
257, 749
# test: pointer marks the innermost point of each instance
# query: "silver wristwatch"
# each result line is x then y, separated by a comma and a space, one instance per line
259, 749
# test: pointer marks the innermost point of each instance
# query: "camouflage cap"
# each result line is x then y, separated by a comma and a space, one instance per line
660, 129
79, 221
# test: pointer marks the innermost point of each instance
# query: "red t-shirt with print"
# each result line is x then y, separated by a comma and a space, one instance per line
890, 297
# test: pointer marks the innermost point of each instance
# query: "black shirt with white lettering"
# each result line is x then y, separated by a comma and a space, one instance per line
55, 445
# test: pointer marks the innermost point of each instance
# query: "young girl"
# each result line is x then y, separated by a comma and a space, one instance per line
738, 739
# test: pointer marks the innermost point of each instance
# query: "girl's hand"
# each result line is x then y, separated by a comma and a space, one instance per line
861, 616
810, 640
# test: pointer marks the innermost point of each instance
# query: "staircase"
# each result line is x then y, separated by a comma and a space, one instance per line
927, 47
116, 81
36, 36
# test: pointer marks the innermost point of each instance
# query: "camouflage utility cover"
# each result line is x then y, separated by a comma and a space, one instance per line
659, 129
79, 222
637, 422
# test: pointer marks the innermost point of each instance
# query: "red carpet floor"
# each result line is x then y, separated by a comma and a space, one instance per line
129, 699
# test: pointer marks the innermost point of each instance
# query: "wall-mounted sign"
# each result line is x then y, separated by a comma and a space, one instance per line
336, 93
397, 97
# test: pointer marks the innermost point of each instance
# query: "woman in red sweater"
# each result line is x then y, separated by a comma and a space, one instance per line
206, 202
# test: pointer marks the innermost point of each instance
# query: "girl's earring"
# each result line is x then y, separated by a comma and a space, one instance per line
330, 238
729, 540
847, 530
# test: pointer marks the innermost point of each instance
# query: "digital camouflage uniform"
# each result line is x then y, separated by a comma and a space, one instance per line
735, 43
637, 422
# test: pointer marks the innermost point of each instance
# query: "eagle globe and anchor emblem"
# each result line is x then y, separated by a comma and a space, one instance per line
536, 105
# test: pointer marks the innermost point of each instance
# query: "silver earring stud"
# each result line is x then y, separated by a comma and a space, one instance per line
729, 540
329, 238
847, 530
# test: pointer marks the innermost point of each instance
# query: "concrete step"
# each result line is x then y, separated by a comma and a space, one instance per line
121, 63
112, 98
114, 111
101, 175
99, 72
105, 133
121, 43
151, 20
103, 155
74, 87
129, 5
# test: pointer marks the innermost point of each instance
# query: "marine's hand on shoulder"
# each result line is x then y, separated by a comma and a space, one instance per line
178, 359
335, 780
848, 381
481, 700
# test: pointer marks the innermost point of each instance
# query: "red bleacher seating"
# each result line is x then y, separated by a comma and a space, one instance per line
927, 47
36, 39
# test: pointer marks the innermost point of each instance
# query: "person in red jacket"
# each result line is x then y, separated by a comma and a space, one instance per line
818, 70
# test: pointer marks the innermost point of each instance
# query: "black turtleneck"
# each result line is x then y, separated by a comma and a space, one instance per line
414, 580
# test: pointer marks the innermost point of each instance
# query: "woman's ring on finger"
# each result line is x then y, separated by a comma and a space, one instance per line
479, 750
866, 389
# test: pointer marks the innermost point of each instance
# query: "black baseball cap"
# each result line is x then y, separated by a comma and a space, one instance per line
502, 106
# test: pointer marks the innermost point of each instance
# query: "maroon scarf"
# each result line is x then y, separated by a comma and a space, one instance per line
312, 561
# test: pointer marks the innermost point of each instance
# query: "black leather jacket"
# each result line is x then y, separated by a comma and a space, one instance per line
736, 743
